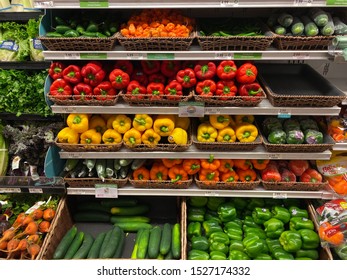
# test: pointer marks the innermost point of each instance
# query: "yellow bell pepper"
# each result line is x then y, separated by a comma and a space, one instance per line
244, 119
111, 136
150, 138
226, 134
122, 123
182, 122
132, 137
178, 136
164, 125
98, 123
78, 122
110, 120
246, 132
141, 122
219, 121
91, 136
68, 135
206, 133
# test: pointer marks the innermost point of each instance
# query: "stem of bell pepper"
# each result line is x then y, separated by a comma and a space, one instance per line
178, 177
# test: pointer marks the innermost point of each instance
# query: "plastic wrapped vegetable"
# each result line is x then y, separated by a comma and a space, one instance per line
308, 124
313, 136
295, 137
277, 136
291, 124
271, 123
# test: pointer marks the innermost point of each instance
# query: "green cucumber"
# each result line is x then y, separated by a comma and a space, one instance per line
120, 247
116, 164
112, 243
127, 219
105, 242
71, 33
168, 256
95, 249
136, 244
75, 245
65, 243
329, 28
119, 202
125, 162
319, 16
176, 241
311, 28
53, 35
297, 27
133, 226
285, 19
137, 163
165, 242
91, 216
61, 29
139, 209
154, 242
83, 251
143, 244
280, 30
340, 27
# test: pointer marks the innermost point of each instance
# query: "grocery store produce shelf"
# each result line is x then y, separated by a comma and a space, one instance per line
340, 147
74, 4
193, 152
264, 108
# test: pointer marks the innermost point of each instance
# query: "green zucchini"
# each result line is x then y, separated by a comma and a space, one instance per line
168, 256
136, 219
113, 243
70, 164
109, 168
123, 172
319, 17
329, 28
137, 163
105, 242
75, 245
77, 169
285, 19
90, 163
116, 164
280, 30
154, 242
136, 244
133, 226
91, 216
100, 167
83, 172
176, 241
165, 242
95, 249
311, 28
120, 247
340, 27
125, 162
83, 251
297, 28
139, 209
119, 202
143, 244
65, 243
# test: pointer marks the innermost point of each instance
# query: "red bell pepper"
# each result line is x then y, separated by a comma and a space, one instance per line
226, 89
298, 166
150, 66
311, 175
125, 65
157, 78
104, 91
287, 175
169, 68
246, 73
93, 74
83, 91
206, 88
140, 76
270, 174
186, 77
72, 74
205, 70
60, 89
135, 90
173, 90
155, 90
253, 89
119, 79
226, 70
55, 70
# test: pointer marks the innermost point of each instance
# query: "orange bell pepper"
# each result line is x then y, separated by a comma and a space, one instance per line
230, 177
243, 164
141, 173
170, 162
226, 165
247, 175
177, 173
158, 172
260, 164
209, 175
211, 163
191, 166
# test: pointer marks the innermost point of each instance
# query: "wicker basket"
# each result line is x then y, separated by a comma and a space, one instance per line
79, 43
226, 185
90, 182
294, 186
89, 148
156, 184
156, 43
76, 100
144, 99
283, 42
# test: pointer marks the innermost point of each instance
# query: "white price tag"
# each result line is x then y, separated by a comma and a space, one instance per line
35, 190
43, 4
301, 56
72, 56
279, 195
284, 113
191, 109
10, 190
212, 111
78, 192
211, 193
303, 2
134, 56
274, 156
229, 3
223, 55
73, 155
69, 109
106, 190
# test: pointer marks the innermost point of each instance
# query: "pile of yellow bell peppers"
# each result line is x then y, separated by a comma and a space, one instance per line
227, 129
131, 129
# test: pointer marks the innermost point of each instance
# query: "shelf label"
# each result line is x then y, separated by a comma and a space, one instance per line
106, 190
10, 190
134, 56
191, 109
72, 56
336, 2
301, 56
93, 55
43, 4
73, 155
94, 4
223, 55
35, 190
160, 56
279, 195
69, 109
284, 113
77, 191
211, 193
274, 156
212, 111
229, 3
248, 55
303, 2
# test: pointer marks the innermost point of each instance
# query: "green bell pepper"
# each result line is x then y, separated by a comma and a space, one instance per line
290, 241
196, 214
200, 243
280, 254
234, 232
249, 222
219, 237
238, 255
277, 136
254, 245
295, 137
313, 136
311, 253
236, 245
281, 214
218, 246
194, 229
263, 256
211, 226
297, 223
273, 245
298, 212
226, 212
234, 223
217, 255
254, 231
212, 215
240, 202
255, 202
310, 238
271, 123
273, 228
213, 202
198, 255
197, 201
261, 215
